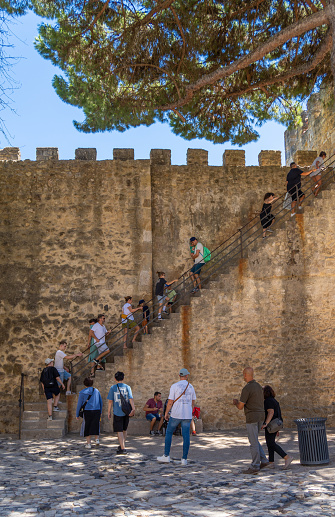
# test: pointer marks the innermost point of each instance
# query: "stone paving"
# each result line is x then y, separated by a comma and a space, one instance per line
59, 478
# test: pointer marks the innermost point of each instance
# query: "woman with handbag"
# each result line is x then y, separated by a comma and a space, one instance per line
273, 422
90, 407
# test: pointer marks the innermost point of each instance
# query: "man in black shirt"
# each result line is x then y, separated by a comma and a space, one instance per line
293, 185
50, 379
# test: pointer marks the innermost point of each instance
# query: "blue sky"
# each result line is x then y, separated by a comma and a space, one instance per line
41, 119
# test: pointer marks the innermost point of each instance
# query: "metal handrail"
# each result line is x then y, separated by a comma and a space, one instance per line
233, 247
21, 402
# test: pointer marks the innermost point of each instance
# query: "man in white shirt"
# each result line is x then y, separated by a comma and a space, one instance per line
197, 254
59, 364
181, 400
99, 332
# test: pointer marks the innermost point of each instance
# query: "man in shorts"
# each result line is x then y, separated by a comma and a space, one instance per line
50, 379
293, 185
99, 332
154, 412
197, 254
59, 364
120, 419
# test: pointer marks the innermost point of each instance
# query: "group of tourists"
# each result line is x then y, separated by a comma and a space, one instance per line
262, 411
294, 193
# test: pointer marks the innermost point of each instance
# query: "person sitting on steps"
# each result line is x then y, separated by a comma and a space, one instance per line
154, 412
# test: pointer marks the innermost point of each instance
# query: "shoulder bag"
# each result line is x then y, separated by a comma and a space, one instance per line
275, 425
125, 405
81, 410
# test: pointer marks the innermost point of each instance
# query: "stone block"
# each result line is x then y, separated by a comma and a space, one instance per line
123, 154
232, 157
160, 157
197, 157
304, 158
86, 153
46, 153
10, 153
266, 158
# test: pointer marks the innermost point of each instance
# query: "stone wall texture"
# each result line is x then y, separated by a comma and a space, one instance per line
318, 129
77, 236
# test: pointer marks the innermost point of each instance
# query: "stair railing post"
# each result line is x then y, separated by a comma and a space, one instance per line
21, 403
241, 242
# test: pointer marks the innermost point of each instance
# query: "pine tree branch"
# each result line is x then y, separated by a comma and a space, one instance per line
296, 29
300, 70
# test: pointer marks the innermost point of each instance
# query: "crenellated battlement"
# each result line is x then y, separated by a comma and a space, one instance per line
230, 157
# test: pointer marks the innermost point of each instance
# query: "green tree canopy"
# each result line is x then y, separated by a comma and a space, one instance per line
211, 69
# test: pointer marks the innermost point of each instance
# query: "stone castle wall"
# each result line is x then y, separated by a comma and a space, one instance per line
77, 236
317, 131
273, 310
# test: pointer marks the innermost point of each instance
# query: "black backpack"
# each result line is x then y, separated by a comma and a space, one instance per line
47, 377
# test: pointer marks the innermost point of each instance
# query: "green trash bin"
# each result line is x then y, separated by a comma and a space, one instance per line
312, 438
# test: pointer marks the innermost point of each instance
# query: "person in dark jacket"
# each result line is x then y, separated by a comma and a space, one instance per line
92, 411
272, 411
267, 219
50, 379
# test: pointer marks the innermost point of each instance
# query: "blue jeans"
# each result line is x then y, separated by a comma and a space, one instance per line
185, 430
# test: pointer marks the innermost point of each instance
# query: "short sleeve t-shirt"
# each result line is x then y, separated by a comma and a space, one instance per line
159, 291
99, 332
200, 257
59, 360
294, 178
182, 408
114, 395
126, 312
49, 376
253, 398
272, 403
155, 406
317, 164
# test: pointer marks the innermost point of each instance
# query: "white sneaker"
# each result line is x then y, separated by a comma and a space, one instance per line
68, 393
288, 462
88, 446
183, 462
56, 408
97, 442
49, 418
163, 459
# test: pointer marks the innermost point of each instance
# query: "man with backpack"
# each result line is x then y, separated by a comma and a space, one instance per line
120, 401
199, 256
50, 379
180, 403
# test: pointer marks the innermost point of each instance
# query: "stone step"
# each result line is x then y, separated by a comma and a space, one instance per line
44, 423
42, 434
38, 415
41, 406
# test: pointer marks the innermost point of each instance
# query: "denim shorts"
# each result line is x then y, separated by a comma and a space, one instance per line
151, 416
197, 267
160, 298
64, 375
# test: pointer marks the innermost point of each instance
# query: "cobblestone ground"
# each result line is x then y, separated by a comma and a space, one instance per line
61, 477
